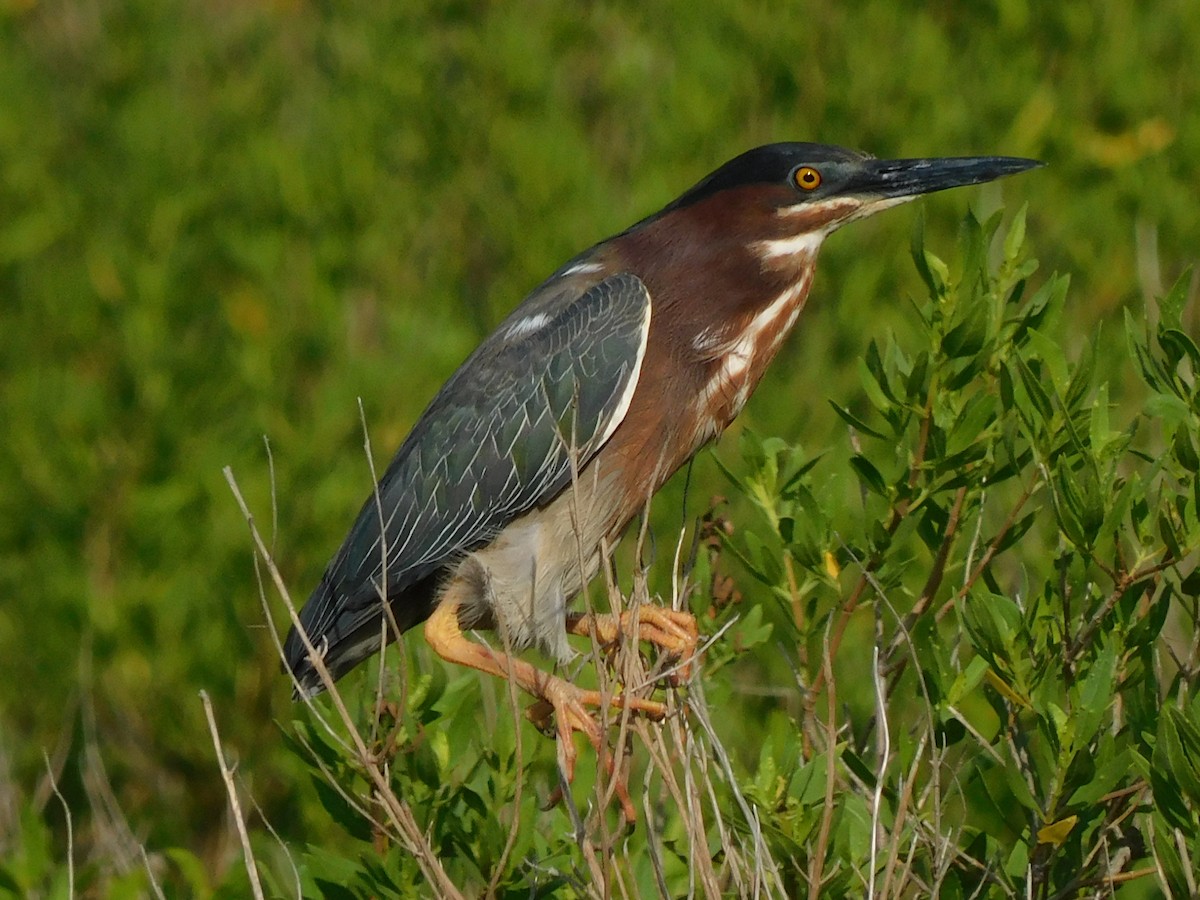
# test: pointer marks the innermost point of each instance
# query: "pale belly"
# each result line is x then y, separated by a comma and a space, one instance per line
539, 563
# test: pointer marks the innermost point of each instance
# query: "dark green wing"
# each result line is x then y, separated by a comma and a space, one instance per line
494, 444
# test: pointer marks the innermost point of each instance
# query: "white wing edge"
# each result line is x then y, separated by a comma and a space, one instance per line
618, 415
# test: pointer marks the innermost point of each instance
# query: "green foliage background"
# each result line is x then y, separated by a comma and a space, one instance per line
225, 221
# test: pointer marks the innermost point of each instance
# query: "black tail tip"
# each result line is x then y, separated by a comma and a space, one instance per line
306, 680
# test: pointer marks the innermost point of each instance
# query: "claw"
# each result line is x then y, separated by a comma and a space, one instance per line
672, 630
568, 704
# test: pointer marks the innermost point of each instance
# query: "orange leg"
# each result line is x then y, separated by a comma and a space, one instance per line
673, 630
567, 701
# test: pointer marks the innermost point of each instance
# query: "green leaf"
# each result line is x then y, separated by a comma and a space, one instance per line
972, 246
968, 371
1017, 292
877, 373
939, 271
336, 890
1006, 388
787, 528
768, 565
1081, 501
1172, 305
1080, 380
876, 387
792, 485
1184, 451
919, 258
1110, 771
1018, 530
967, 680
932, 525
1118, 506
859, 768
1014, 241
340, 811
971, 424
751, 630
855, 422
1048, 299
1014, 778
311, 740
1051, 354
1180, 740
1069, 508
733, 478
1166, 855
808, 784
1095, 695
1166, 531
914, 385
991, 621
1190, 584
968, 336
1168, 800
1099, 433
1169, 408
1034, 390
1177, 346
745, 557
1152, 374
752, 450
870, 477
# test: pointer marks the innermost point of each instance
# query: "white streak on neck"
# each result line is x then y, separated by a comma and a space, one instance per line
839, 211
741, 350
807, 244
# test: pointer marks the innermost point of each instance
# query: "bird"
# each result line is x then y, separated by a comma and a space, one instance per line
562, 424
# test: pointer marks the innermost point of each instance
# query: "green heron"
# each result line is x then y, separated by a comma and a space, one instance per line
563, 423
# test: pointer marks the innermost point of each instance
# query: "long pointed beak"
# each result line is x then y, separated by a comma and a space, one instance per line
896, 178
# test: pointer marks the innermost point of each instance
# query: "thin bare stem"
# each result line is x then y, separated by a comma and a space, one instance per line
885, 749
235, 805
818, 860
515, 826
154, 885
282, 846
70, 827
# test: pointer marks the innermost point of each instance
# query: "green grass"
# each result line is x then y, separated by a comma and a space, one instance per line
220, 224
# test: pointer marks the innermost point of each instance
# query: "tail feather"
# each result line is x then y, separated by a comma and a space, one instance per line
346, 629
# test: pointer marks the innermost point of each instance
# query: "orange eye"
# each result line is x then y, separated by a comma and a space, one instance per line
807, 178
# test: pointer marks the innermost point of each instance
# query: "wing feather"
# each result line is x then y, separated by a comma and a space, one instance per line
495, 443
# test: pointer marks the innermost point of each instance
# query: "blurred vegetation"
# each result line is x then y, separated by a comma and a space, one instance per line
220, 222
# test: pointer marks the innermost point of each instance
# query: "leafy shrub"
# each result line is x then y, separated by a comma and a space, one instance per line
1028, 723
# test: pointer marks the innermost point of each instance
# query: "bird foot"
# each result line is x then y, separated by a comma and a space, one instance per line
563, 710
562, 707
671, 630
